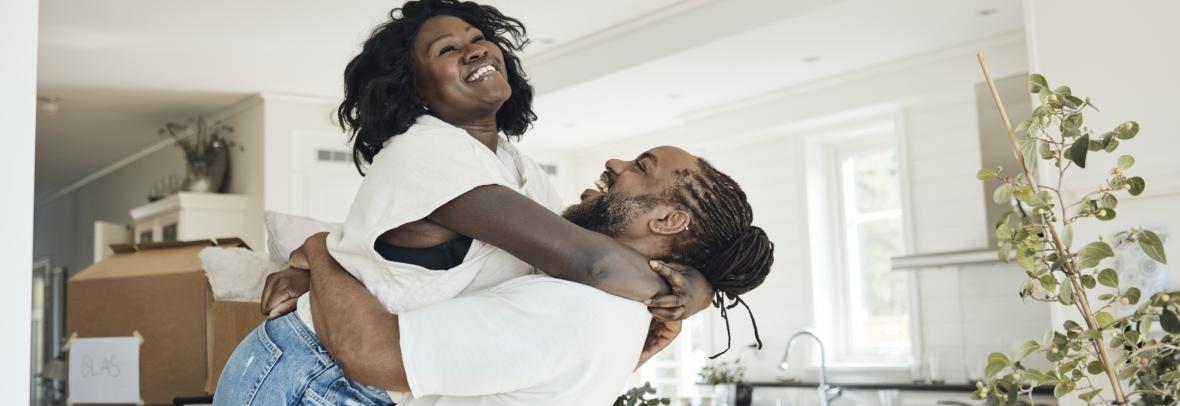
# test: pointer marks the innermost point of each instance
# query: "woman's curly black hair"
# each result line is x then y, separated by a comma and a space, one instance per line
381, 97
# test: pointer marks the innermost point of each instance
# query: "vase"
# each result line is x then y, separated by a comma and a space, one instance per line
209, 176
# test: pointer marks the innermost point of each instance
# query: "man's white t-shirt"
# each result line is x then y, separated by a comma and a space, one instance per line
533, 340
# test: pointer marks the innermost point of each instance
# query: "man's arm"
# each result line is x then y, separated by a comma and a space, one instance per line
352, 324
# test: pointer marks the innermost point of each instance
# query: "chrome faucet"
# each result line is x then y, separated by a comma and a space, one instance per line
827, 393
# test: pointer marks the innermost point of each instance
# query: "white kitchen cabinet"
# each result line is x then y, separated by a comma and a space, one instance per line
190, 216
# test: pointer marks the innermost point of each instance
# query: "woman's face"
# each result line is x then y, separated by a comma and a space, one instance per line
461, 75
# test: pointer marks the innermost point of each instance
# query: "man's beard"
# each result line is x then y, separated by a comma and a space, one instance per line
609, 214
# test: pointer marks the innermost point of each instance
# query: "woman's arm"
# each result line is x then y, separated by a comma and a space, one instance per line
513, 222
362, 336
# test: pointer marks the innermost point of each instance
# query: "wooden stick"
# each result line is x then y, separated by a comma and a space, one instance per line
1082, 302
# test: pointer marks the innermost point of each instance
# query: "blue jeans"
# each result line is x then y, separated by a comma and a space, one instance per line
283, 363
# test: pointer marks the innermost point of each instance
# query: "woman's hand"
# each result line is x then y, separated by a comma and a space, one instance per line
691, 293
659, 335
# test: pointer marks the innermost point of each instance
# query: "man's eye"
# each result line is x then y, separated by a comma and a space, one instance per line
446, 49
477, 38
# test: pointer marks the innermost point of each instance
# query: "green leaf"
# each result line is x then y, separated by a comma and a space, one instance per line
1072, 121
1137, 185
1094, 367
1077, 152
1003, 194
1108, 277
986, 174
1065, 294
1127, 130
1088, 282
1049, 282
1132, 295
1106, 296
1062, 91
1152, 246
1108, 146
1126, 162
1068, 237
996, 362
1170, 322
1028, 148
1027, 348
1127, 373
1132, 337
1003, 219
1047, 151
1105, 214
1026, 195
1036, 82
1093, 253
1004, 251
1062, 388
1108, 201
1104, 319
1004, 232
1088, 395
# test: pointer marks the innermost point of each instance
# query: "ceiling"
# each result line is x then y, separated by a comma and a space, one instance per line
119, 69
839, 38
603, 69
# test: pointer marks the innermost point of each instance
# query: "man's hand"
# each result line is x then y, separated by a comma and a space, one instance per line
659, 335
691, 293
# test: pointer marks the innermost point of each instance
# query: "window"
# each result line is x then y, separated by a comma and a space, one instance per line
865, 315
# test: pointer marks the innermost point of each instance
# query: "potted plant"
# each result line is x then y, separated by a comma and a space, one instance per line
638, 396
1110, 357
206, 153
729, 387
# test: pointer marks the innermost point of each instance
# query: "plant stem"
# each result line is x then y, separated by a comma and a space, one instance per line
1081, 300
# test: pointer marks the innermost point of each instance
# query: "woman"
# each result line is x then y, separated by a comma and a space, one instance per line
426, 100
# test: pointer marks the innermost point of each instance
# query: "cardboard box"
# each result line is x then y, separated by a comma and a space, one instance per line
160, 290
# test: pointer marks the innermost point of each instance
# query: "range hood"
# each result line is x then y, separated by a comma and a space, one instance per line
994, 150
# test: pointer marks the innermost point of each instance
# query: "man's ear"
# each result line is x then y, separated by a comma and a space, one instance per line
674, 220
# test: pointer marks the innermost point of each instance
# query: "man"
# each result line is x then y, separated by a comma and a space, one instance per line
540, 340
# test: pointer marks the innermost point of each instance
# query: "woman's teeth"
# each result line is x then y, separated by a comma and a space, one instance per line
481, 72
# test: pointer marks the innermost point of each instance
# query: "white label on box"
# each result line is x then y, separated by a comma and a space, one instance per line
104, 370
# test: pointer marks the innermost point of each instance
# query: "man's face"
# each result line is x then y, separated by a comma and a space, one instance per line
627, 190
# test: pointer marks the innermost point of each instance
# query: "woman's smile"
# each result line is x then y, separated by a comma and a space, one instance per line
482, 72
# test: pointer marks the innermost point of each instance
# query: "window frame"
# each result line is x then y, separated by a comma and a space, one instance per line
828, 236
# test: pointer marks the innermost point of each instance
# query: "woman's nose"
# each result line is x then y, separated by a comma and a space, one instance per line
475, 53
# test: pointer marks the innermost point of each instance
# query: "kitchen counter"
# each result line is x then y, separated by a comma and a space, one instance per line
917, 387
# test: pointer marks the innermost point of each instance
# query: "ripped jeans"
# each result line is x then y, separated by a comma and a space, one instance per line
283, 363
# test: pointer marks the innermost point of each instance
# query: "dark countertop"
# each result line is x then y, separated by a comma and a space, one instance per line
917, 387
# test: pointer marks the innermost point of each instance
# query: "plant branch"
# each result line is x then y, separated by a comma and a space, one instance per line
1075, 280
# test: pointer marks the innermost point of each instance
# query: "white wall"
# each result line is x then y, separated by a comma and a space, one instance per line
18, 78
286, 118
1126, 60
65, 225
759, 143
